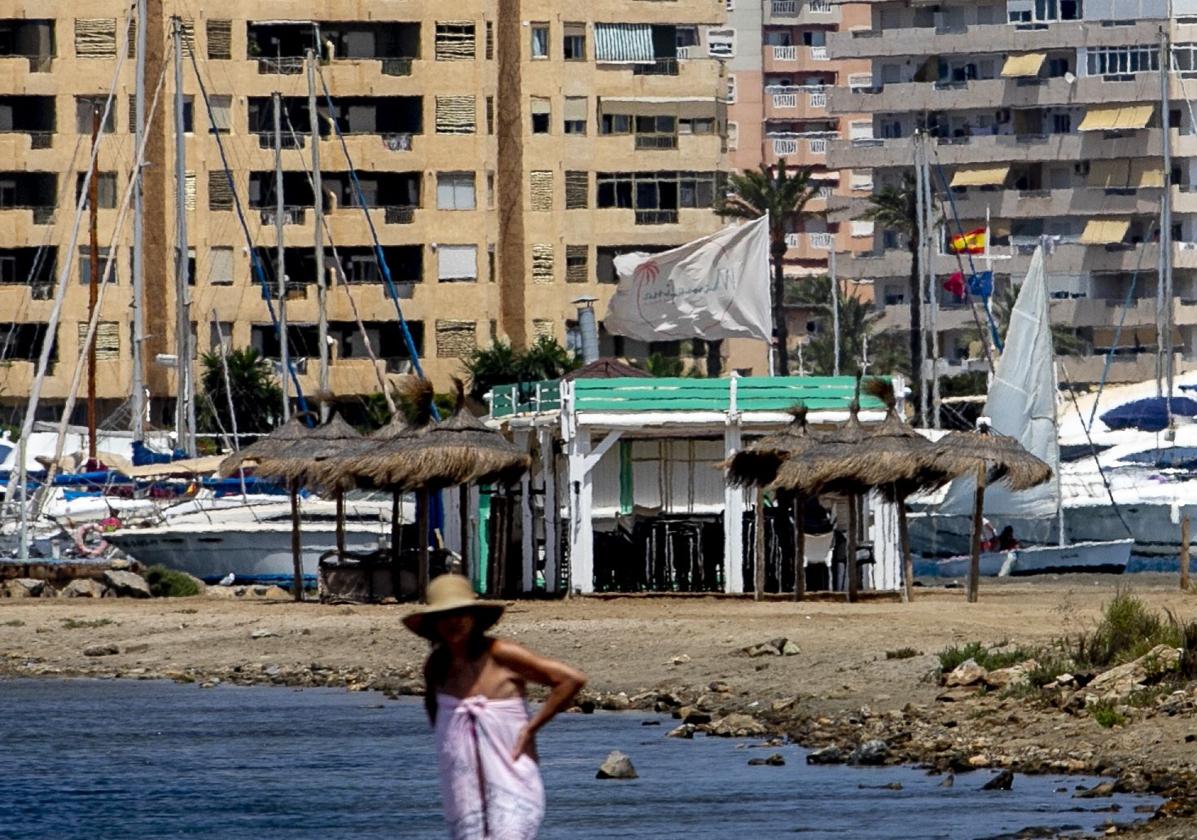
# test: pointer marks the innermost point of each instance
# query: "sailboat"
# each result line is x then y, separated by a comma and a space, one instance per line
1021, 403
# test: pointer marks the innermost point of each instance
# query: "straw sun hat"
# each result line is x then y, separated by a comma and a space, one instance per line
451, 593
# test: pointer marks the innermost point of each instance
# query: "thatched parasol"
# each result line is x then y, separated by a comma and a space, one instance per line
270, 446
992, 457
756, 465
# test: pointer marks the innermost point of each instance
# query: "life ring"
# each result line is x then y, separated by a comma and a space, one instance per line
90, 549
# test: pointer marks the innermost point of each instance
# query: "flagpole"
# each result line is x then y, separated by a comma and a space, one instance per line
835, 314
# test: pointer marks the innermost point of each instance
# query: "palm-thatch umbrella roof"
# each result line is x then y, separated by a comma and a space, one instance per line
758, 463
297, 462
270, 446
1005, 459
460, 450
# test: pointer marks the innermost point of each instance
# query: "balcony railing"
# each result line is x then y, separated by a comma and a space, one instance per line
656, 141
819, 54
660, 67
785, 8
397, 142
783, 53
785, 100
291, 215
282, 66
400, 215
821, 241
286, 140
656, 217
785, 146
396, 66
683, 53
860, 82
819, 7
817, 99
41, 139
817, 145
43, 215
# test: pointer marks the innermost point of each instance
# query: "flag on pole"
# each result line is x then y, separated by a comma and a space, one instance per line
711, 288
972, 242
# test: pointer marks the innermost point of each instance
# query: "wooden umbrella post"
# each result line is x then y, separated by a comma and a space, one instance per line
422, 513
853, 582
340, 523
296, 553
974, 562
799, 548
758, 553
463, 513
1184, 553
904, 545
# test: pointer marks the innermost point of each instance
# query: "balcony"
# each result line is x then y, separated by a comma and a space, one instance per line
791, 58
992, 38
291, 216
796, 103
656, 217
1067, 258
1079, 146
649, 142
660, 67
799, 12
916, 97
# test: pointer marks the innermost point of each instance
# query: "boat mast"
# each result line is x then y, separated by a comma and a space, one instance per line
318, 210
920, 375
1164, 339
933, 300
137, 388
185, 399
835, 313
93, 280
279, 270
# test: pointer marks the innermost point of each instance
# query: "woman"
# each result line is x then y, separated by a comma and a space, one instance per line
474, 691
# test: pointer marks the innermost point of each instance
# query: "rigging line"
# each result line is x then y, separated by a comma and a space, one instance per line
1109, 360
104, 282
378, 253
50, 335
947, 191
254, 259
340, 269
1093, 450
43, 250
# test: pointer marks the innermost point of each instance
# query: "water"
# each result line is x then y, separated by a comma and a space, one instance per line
104, 759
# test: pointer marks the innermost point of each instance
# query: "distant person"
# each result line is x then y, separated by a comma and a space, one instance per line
474, 692
1006, 540
988, 536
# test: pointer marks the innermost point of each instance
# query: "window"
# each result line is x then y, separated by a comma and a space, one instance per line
540, 190
1117, 61
455, 41
542, 263
616, 124
577, 190
220, 191
220, 336
540, 40
721, 43
490, 190
862, 229
1061, 123
105, 189
457, 263
190, 266
687, 36
655, 190
490, 115
455, 114
85, 266
577, 263
222, 114
575, 114
455, 191
541, 113
733, 136
220, 266
731, 89
696, 125
95, 37
814, 38
84, 118
573, 45
220, 39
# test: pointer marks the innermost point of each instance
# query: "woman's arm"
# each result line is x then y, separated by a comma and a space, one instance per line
564, 683
430, 686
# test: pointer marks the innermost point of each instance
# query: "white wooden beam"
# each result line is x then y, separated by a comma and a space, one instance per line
599, 451
581, 503
552, 511
733, 518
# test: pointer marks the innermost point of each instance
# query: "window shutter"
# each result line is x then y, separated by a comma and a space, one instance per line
540, 189
577, 190
542, 263
456, 339
95, 37
455, 114
220, 194
220, 39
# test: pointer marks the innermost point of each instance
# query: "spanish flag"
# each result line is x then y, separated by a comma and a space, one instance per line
972, 242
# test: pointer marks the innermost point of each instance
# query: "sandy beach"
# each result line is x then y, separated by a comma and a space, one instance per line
839, 689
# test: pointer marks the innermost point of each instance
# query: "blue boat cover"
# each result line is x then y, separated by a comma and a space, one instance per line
1148, 415
1174, 457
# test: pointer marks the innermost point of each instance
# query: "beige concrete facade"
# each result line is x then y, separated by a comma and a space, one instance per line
557, 157
1021, 89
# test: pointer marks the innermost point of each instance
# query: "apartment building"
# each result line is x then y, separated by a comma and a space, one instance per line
1046, 119
779, 81
504, 153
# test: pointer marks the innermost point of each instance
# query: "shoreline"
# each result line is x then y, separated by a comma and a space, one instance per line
683, 657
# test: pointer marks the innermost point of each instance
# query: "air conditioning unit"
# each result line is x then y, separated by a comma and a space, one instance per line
1002, 116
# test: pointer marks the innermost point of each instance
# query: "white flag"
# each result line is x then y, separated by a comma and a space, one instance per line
711, 288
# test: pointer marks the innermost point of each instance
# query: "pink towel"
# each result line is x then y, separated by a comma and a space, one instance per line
487, 796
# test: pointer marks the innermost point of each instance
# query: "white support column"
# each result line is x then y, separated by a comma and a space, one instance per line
733, 517
581, 528
527, 581
552, 511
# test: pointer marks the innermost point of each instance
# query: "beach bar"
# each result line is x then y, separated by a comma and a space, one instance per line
626, 492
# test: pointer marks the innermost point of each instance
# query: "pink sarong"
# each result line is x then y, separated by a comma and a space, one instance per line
487, 796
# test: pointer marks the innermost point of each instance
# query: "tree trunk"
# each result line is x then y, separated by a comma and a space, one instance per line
781, 332
916, 331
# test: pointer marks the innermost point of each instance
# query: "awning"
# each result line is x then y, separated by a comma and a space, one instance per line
981, 176
1124, 174
623, 43
1018, 66
1104, 231
1116, 117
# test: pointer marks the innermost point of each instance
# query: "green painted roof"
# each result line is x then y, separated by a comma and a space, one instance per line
753, 393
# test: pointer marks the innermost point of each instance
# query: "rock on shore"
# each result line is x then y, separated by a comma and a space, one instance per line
617, 766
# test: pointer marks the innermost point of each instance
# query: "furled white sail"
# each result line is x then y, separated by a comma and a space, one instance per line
1022, 404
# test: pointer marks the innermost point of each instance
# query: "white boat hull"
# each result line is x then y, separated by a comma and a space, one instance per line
1092, 557
260, 551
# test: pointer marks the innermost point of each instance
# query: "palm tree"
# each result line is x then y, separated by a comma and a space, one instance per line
1064, 340
502, 364
896, 209
784, 196
256, 396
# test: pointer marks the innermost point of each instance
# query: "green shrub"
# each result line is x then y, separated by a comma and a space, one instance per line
1128, 629
170, 583
76, 624
1106, 713
902, 653
990, 659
